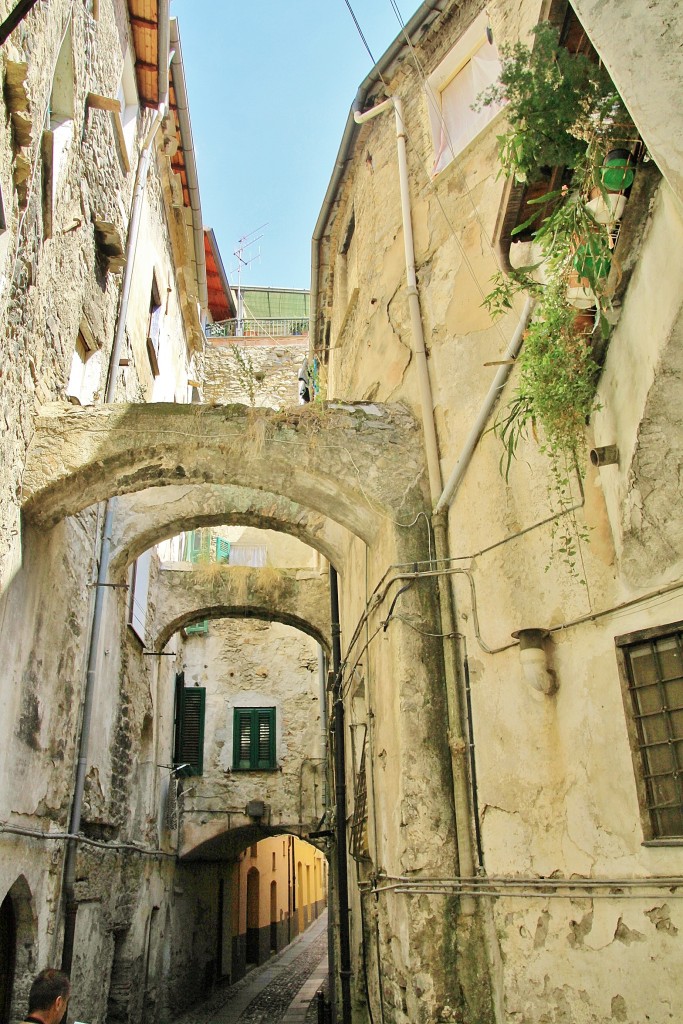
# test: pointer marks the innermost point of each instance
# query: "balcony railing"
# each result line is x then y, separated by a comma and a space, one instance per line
266, 328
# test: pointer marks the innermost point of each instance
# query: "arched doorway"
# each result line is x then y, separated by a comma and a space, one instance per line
8, 953
253, 916
17, 950
273, 917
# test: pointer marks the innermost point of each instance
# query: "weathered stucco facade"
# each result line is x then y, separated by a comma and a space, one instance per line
573, 894
507, 864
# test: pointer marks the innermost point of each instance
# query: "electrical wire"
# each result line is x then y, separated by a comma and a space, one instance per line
360, 31
84, 840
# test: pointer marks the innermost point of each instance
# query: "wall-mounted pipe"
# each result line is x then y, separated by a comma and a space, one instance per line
340, 804
183, 109
457, 743
425, 14
605, 455
479, 425
69, 875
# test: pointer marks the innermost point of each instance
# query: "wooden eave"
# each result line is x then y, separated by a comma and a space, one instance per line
144, 22
221, 303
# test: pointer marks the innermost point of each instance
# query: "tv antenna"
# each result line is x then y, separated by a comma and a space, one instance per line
244, 260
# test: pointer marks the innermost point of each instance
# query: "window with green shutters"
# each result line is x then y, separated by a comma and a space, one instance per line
254, 739
189, 726
222, 550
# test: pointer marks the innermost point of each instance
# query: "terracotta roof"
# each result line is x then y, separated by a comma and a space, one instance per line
144, 21
221, 304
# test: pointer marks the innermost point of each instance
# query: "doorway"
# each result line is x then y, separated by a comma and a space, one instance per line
253, 916
8, 956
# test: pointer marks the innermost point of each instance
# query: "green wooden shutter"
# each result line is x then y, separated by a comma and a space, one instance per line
254, 739
197, 627
222, 550
191, 728
264, 737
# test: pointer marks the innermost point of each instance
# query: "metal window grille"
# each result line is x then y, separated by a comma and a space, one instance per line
359, 824
654, 669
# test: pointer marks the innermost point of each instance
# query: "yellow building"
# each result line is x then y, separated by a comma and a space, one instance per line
279, 887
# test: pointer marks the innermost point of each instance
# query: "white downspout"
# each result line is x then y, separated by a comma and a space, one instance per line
478, 427
419, 351
456, 732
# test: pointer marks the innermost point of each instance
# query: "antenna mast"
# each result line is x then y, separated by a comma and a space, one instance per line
243, 260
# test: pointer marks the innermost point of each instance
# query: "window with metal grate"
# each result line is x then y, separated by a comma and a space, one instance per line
651, 663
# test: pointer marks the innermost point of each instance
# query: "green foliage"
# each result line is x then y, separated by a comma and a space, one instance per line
556, 102
558, 374
245, 372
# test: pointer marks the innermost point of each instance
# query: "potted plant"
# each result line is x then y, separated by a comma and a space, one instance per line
556, 101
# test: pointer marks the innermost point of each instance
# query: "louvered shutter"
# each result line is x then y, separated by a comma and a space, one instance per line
265, 738
254, 738
191, 741
242, 739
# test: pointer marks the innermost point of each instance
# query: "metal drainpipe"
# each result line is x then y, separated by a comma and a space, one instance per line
340, 793
17, 15
70, 905
478, 427
322, 680
462, 796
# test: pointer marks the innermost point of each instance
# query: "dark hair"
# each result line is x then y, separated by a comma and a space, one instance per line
46, 987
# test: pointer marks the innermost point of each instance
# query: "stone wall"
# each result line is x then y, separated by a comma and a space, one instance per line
255, 664
56, 278
226, 381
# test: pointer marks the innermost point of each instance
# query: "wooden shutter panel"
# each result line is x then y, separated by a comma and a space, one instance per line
265, 738
192, 712
242, 739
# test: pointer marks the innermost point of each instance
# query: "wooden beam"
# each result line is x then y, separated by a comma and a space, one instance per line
139, 22
96, 102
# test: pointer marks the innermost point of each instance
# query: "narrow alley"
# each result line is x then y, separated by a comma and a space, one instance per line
341, 626
283, 991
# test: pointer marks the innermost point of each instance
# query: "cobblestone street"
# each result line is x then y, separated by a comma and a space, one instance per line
279, 992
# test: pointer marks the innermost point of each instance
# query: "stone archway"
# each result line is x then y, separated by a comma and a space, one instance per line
148, 517
295, 597
353, 463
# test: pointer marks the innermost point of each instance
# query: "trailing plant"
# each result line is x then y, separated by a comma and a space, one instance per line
556, 102
250, 380
557, 382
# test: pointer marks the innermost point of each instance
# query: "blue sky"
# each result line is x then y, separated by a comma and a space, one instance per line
270, 84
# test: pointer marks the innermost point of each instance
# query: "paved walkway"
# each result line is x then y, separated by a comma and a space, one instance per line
278, 992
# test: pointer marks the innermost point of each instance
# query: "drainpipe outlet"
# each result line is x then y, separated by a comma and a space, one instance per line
534, 660
608, 455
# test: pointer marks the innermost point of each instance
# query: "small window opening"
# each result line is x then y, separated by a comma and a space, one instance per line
154, 327
86, 366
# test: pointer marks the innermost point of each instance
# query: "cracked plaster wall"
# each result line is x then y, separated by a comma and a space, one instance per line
555, 777
246, 663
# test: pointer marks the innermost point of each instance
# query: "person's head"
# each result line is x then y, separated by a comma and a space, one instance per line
49, 995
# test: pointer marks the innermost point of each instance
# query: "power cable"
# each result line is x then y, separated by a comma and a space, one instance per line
360, 31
